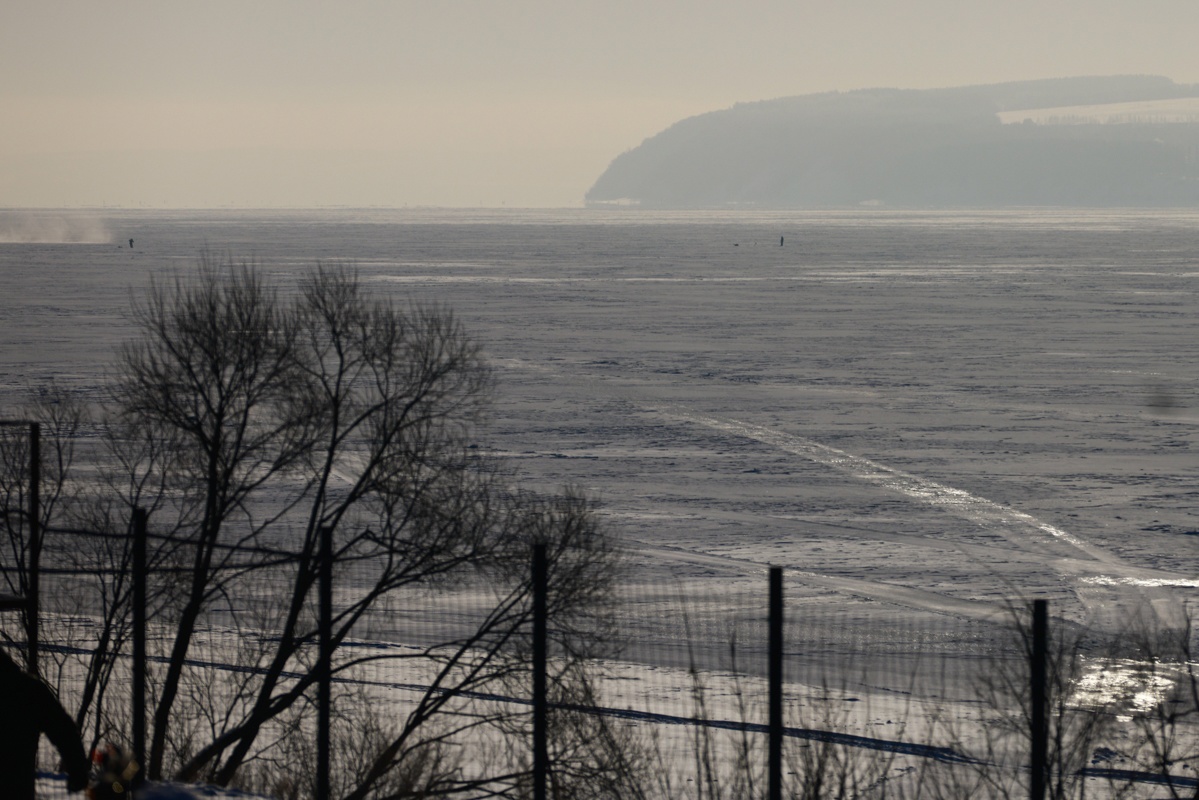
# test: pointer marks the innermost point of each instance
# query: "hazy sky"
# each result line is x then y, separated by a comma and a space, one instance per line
477, 102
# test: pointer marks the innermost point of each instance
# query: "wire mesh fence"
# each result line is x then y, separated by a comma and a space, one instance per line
868, 690
658, 665
660, 691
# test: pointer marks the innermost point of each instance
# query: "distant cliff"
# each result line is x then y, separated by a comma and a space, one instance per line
1102, 141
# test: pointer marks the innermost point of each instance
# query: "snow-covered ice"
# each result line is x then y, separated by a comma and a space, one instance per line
922, 416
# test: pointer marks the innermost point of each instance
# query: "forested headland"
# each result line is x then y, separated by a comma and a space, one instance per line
1097, 141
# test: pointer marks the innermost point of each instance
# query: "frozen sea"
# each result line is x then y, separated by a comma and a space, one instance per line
921, 416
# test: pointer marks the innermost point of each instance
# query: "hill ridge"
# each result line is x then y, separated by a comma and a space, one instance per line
916, 147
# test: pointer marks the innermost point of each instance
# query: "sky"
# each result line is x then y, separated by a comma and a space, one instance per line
477, 103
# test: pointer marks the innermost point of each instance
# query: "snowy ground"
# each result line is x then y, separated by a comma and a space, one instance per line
921, 416
54, 787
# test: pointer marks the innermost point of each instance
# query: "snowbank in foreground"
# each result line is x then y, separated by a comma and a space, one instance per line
54, 786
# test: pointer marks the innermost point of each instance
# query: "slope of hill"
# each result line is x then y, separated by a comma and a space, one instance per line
923, 148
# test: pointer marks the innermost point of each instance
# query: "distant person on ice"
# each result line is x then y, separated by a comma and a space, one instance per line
27, 710
130, 244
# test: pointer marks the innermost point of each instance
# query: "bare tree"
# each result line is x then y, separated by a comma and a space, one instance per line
246, 422
214, 374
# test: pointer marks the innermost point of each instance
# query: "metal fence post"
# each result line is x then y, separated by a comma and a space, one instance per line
31, 602
1038, 672
139, 638
324, 662
540, 703
775, 695
33, 611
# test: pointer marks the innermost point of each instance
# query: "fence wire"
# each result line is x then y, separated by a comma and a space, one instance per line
659, 691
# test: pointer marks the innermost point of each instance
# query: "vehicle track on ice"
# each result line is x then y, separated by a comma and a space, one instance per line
978, 510
1101, 582
1095, 575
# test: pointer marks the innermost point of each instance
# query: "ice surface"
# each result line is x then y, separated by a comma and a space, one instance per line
1019, 382
922, 416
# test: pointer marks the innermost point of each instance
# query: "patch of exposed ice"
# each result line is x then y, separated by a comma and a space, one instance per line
1111, 580
980, 510
1130, 687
